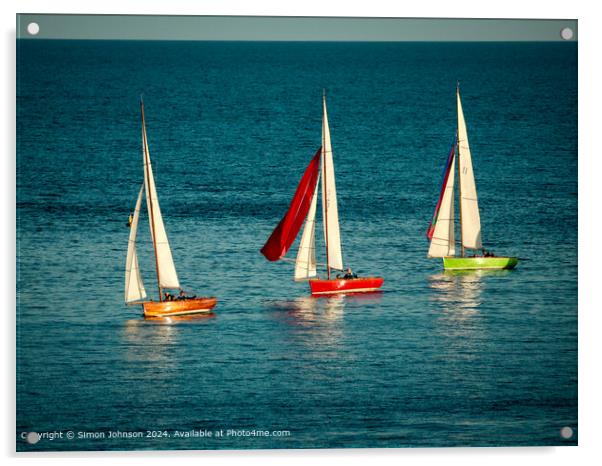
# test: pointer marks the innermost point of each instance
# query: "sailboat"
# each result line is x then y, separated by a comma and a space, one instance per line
304, 207
441, 229
168, 305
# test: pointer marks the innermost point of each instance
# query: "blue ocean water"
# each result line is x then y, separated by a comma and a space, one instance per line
435, 360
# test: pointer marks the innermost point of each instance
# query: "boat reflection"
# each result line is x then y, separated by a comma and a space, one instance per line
308, 310
481, 273
459, 293
139, 336
313, 322
458, 302
318, 320
153, 340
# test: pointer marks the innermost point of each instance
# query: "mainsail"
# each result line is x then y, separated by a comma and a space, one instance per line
134, 288
330, 214
305, 265
285, 233
166, 270
469, 205
441, 228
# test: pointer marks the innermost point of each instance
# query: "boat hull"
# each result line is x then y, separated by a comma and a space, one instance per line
479, 263
182, 307
341, 285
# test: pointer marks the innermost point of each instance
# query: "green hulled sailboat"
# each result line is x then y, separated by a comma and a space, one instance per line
442, 227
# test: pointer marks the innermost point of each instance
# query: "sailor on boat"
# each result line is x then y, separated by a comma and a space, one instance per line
183, 295
484, 253
349, 275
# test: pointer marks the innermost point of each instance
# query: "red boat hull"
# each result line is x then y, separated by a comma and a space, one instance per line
341, 285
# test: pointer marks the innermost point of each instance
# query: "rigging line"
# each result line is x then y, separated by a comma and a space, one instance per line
288, 259
456, 241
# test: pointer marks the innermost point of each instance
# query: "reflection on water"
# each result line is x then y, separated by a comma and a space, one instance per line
153, 340
318, 321
457, 296
313, 322
458, 293
308, 310
144, 343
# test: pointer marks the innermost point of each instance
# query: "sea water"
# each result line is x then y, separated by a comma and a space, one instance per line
437, 359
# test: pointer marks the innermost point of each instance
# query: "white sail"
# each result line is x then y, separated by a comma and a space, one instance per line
443, 242
134, 288
469, 205
168, 277
330, 213
305, 265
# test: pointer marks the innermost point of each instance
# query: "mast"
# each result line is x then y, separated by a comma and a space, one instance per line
324, 188
151, 214
459, 170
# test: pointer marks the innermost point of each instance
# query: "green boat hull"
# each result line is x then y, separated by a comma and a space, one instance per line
478, 263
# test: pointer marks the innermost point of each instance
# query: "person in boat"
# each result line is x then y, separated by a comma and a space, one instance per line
349, 275
130, 220
169, 296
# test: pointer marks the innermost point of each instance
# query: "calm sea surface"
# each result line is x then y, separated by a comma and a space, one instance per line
435, 360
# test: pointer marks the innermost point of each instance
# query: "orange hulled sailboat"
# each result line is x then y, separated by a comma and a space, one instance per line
168, 305
303, 207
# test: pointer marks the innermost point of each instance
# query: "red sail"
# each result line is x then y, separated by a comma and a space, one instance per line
285, 233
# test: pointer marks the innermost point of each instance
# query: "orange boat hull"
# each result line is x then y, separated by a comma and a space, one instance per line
342, 285
182, 307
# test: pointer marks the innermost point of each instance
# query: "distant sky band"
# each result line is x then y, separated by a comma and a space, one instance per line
265, 28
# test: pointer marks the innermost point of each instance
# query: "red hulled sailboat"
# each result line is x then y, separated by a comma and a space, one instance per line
303, 207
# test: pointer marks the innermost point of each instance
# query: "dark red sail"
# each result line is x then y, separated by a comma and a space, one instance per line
285, 233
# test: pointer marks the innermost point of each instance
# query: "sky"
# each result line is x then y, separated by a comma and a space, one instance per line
148, 27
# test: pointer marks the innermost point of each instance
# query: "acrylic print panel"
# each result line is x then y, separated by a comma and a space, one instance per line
452, 351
